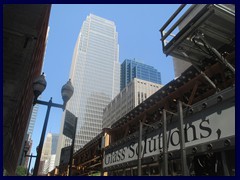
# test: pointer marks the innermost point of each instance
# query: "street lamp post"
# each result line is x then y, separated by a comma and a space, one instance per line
31, 156
38, 87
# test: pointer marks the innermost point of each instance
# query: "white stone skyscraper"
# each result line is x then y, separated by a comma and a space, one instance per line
95, 75
48, 153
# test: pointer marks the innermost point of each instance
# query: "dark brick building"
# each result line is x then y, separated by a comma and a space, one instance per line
24, 41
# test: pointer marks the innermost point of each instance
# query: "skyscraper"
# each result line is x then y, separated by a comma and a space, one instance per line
48, 152
131, 69
32, 121
95, 75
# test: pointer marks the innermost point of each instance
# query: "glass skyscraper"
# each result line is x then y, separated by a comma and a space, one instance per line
32, 121
131, 69
95, 75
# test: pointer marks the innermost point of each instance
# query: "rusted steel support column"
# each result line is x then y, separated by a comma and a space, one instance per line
225, 168
139, 149
165, 148
182, 140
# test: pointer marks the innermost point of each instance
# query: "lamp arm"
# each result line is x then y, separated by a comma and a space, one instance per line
47, 103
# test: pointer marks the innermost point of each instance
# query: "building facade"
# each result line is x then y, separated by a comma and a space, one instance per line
32, 121
24, 41
26, 149
131, 96
49, 164
48, 153
131, 69
180, 66
95, 75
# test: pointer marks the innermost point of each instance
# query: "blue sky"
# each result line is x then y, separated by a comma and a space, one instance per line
139, 37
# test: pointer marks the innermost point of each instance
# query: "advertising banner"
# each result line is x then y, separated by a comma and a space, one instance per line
205, 126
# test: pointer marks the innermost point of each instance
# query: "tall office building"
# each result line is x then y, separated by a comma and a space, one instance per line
95, 75
48, 152
131, 69
131, 96
50, 163
32, 121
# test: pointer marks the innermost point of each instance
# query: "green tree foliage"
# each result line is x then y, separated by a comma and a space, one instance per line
95, 174
5, 173
21, 171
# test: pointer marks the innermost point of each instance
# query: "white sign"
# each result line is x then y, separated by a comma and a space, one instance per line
215, 126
